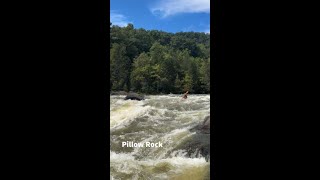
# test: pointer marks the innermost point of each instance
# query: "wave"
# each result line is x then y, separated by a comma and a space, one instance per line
125, 166
164, 118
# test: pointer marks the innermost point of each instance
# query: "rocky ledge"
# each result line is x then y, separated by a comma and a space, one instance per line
199, 143
134, 96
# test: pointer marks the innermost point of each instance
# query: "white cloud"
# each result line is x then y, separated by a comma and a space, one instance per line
167, 8
118, 19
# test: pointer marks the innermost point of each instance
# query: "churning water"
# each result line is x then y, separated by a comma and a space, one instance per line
162, 118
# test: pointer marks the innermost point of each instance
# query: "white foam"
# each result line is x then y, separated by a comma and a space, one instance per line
173, 117
125, 163
124, 111
178, 161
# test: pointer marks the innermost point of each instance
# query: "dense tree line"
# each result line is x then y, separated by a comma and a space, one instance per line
154, 62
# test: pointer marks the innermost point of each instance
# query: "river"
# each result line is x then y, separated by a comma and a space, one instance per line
160, 118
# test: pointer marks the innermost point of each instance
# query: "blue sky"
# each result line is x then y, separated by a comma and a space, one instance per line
166, 15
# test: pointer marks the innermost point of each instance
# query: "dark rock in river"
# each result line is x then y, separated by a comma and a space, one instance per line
199, 143
134, 96
203, 127
195, 146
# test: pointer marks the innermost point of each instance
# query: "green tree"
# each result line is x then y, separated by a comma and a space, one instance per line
157, 53
159, 62
119, 67
205, 75
178, 84
144, 76
187, 83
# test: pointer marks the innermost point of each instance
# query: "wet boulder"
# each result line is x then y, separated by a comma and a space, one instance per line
199, 143
134, 96
203, 127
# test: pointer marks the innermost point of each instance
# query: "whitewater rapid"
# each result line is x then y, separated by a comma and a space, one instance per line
162, 118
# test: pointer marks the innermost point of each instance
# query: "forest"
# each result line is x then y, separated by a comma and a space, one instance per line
158, 62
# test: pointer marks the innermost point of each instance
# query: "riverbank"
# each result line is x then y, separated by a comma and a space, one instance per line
124, 93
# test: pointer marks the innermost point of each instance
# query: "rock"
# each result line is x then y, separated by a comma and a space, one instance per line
196, 145
203, 127
134, 96
199, 143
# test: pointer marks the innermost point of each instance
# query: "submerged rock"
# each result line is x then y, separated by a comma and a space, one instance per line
200, 142
203, 127
134, 96
198, 145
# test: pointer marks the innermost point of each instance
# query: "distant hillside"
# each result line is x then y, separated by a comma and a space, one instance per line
151, 61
